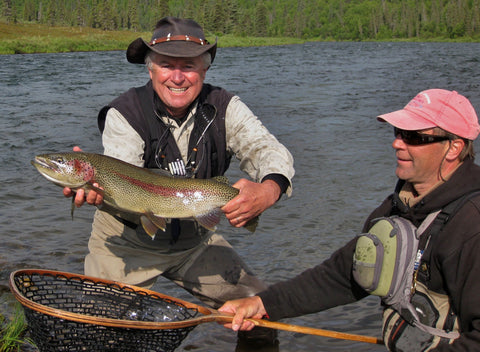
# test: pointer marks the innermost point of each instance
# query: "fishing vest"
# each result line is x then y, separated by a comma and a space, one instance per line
207, 148
389, 263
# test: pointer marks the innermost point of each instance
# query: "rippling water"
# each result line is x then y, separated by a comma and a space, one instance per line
319, 99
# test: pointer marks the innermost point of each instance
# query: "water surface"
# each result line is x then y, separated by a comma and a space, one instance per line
319, 99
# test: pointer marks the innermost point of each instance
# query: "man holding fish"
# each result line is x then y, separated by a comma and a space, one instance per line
178, 123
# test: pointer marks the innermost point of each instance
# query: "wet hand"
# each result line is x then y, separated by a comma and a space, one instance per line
91, 197
250, 307
252, 200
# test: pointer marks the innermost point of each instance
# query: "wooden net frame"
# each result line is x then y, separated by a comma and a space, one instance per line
71, 312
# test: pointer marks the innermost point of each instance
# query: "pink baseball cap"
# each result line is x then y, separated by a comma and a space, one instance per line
446, 109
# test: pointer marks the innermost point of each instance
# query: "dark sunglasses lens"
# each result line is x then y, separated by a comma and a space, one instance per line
416, 138
409, 137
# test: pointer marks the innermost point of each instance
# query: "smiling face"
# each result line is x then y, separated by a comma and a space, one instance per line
177, 81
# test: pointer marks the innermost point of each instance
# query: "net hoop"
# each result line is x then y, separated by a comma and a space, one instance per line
97, 320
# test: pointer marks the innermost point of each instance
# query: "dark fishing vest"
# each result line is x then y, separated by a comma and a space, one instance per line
140, 106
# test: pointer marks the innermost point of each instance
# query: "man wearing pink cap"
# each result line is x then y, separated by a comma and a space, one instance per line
438, 180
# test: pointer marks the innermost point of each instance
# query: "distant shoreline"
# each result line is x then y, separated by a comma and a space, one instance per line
37, 38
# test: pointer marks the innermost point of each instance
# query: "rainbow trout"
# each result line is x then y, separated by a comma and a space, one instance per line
131, 189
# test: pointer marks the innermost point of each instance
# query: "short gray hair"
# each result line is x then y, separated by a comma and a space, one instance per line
150, 58
467, 151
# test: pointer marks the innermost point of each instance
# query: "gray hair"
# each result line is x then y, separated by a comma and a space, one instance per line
151, 55
467, 151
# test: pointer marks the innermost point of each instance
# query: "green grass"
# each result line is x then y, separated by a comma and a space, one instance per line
36, 38
12, 332
29, 38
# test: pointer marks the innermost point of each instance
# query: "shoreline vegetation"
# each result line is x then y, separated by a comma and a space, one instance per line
26, 38
38, 38
13, 331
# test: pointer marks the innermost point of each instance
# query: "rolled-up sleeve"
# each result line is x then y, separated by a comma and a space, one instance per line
259, 151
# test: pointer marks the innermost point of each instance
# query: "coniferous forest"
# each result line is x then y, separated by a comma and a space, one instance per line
319, 19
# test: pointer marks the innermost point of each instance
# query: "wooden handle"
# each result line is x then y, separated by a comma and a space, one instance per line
314, 331
225, 318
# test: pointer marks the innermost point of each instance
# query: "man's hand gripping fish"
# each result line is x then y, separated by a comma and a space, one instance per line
131, 189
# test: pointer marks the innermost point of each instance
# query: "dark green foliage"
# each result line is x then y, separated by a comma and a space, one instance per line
319, 19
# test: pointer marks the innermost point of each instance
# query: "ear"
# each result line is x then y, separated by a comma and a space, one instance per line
456, 147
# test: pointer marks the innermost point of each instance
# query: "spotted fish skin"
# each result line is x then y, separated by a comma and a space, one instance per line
131, 189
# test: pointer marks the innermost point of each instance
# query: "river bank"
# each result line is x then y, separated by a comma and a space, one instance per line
29, 38
36, 38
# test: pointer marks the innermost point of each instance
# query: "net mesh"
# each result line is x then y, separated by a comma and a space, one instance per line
98, 299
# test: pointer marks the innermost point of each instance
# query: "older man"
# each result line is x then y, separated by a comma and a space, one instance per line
178, 123
433, 145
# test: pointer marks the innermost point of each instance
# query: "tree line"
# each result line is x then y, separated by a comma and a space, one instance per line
306, 19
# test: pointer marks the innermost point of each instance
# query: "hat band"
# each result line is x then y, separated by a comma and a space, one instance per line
185, 38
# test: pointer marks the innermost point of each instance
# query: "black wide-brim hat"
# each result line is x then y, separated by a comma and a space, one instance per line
174, 37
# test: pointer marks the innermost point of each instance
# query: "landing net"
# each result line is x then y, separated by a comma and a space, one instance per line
70, 312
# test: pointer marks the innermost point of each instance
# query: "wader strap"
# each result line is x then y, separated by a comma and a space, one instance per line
449, 210
438, 332
443, 217
428, 220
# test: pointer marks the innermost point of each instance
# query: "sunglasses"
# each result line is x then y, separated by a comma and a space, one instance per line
417, 138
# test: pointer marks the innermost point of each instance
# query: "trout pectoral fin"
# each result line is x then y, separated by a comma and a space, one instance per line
210, 220
95, 188
252, 224
152, 223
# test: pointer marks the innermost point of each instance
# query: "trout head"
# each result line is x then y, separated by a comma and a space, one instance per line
65, 169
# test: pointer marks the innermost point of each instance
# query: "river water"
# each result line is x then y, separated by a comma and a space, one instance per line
319, 99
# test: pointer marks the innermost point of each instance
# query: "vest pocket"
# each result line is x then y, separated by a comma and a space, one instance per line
367, 261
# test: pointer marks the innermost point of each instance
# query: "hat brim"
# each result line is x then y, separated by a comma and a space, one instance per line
137, 50
406, 120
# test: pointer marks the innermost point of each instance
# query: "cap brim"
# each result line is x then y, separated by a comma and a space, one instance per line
137, 50
406, 120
